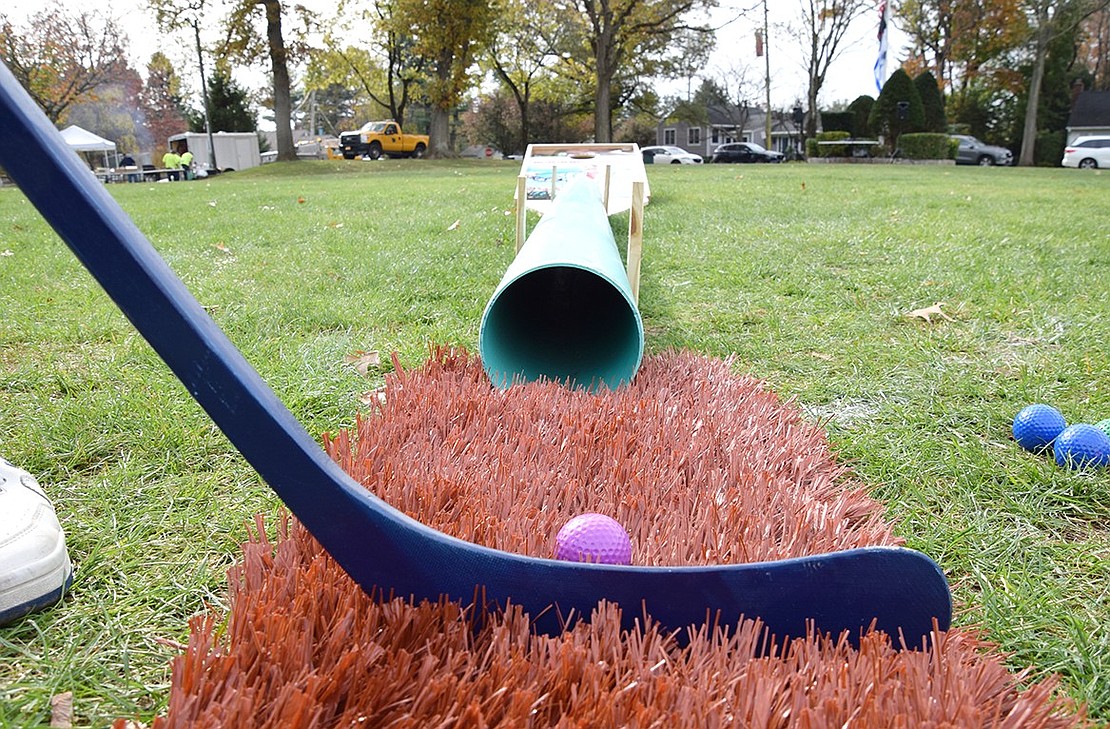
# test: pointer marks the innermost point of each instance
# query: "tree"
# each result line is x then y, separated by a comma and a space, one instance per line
113, 112
62, 57
162, 104
1094, 49
369, 47
231, 107
526, 37
447, 34
616, 33
821, 29
1049, 20
932, 102
958, 39
245, 40
898, 109
929, 23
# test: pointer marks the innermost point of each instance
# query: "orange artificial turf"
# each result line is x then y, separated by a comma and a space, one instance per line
701, 465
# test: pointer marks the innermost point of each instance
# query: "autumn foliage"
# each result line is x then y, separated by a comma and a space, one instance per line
701, 465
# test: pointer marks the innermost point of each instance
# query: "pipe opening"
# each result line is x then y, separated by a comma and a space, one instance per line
562, 323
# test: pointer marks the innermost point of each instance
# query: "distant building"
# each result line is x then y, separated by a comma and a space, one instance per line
1090, 114
733, 124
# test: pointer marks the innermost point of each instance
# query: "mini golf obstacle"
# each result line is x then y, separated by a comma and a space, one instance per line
565, 309
385, 551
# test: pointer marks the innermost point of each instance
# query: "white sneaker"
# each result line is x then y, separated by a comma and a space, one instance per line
35, 570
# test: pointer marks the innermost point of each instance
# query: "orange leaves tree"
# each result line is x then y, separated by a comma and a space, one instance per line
62, 57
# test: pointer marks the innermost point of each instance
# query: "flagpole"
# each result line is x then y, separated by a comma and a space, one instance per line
767, 78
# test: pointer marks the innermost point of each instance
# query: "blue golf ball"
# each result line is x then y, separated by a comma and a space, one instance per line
1036, 426
1082, 446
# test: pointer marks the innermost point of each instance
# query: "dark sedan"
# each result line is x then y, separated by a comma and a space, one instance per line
974, 152
744, 152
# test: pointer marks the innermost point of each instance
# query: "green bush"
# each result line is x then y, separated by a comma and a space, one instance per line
811, 147
886, 116
932, 102
832, 150
925, 145
1049, 148
837, 121
861, 109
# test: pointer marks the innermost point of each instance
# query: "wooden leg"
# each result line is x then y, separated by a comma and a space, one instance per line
521, 210
635, 238
605, 193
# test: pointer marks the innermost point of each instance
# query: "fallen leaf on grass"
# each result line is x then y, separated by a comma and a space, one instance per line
300, 201
369, 398
211, 203
454, 225
61, 710
221, 247
6, 253
929, 312
335, 224
363, 361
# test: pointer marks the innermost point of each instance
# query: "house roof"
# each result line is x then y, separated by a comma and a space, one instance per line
1091, 109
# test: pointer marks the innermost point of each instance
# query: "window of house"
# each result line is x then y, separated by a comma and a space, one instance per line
693, 137
669, 136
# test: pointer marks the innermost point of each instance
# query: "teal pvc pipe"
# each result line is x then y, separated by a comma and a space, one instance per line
564, 309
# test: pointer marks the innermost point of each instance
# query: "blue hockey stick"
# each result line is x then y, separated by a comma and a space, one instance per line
382, 549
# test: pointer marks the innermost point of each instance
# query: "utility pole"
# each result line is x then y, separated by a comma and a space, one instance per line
204, 94
767, 77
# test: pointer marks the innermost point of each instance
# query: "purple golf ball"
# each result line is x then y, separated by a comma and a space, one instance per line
1082, 446
1036, 426
593, 538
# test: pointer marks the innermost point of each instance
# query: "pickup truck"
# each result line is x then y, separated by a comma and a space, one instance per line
382, 137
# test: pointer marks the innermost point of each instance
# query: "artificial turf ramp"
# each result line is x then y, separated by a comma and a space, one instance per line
702, 466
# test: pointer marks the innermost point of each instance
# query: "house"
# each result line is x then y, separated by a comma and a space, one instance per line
731, 124
1090, 114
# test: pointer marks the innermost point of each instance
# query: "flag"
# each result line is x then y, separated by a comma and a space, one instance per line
880, 62
758, 43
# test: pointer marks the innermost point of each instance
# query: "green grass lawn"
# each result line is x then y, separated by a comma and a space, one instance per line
804, 272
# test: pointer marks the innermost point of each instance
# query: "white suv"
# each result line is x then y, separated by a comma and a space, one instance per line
1087, 153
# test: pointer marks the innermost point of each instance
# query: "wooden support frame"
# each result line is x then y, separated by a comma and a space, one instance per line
635, 239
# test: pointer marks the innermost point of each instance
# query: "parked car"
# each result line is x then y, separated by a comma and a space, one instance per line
1087, 153
666, 155
744, 152
974, 152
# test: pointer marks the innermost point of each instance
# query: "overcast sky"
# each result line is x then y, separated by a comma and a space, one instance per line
850, 76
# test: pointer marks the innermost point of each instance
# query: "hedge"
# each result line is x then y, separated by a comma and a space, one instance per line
927, 145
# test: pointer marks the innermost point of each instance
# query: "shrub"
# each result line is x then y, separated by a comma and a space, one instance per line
811, 147
837, 121
832, 150
925, 145
861, 109
932, 103
886, 116
1049, 148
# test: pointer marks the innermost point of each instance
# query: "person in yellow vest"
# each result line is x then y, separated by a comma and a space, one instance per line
171, 162
187, 164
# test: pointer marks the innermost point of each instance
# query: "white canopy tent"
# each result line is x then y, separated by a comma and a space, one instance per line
82, 140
